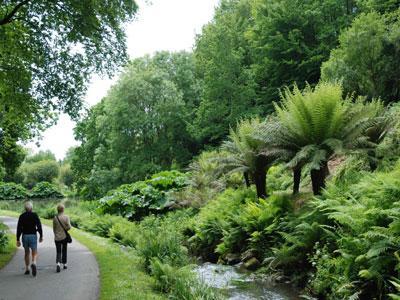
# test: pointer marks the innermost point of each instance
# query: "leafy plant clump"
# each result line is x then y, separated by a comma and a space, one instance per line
12, 191
3, 237
45, 190
139, 199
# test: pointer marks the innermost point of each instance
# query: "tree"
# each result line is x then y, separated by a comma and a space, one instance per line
317, 123
224, 65
245, 155
140, 128
366, 60
49, 50
290, 40
41, 155
44, 170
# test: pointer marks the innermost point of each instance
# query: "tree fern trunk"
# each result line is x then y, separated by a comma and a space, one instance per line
246, 179
260, 179
318, 178
296, 180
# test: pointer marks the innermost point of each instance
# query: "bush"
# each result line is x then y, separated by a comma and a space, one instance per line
180, 283
139, 199
215, 218
99, 225
45, 170
349, 239
45, 190
3, 237
11, 191
237, 221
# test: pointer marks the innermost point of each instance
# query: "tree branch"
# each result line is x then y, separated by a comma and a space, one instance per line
8, 17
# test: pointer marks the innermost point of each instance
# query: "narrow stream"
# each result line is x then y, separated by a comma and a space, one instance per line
237, 285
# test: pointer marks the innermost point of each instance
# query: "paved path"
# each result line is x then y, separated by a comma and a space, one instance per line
79, 282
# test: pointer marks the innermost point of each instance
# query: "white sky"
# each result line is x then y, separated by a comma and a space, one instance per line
160, 25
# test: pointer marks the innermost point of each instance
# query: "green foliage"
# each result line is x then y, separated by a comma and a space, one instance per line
66, 175
139, 199
367, 57
140, 127
356, 229
45, 190
3, 237
180, 283
291, 39
44, 170
245, 155
314, 124
41, 70
205, 179
223, 63
41, 155
10, 191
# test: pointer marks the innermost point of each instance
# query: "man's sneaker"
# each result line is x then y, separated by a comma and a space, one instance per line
58, 269
34, 270
27, 272
65, 267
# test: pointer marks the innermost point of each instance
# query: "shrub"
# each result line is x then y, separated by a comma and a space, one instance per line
180, 283
139, 199
99, 225
45, 190
3, 237
215, 218
162, 238
349, 239
45, 170
11, 191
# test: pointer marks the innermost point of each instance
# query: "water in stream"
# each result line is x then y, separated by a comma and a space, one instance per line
238, 285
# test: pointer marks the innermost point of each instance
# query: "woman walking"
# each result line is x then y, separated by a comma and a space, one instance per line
61, 225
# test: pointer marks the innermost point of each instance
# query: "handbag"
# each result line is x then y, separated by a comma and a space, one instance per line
68, 239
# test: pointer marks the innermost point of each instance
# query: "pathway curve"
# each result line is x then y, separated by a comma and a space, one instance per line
79, 282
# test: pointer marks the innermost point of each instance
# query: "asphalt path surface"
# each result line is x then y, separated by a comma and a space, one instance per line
79, 282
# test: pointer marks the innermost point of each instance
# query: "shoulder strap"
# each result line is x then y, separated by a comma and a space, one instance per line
61, 224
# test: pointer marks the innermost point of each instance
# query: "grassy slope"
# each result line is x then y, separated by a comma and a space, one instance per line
121, 274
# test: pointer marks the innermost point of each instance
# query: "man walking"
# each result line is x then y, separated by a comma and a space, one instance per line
28, 225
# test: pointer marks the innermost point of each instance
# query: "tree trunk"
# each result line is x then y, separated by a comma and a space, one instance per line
260, 179
246, 179
318, 178
296, 180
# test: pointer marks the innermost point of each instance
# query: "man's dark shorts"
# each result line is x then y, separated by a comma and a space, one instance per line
29, 241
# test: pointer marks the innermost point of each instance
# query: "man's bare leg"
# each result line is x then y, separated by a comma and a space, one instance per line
34, 256
33, 266
27, 259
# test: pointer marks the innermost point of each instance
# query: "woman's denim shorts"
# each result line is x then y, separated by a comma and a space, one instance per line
29, 241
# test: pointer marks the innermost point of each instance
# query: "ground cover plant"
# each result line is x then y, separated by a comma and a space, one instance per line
141, 198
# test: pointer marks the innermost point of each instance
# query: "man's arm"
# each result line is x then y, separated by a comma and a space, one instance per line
19, 228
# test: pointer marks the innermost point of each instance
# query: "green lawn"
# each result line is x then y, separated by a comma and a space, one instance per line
121, 273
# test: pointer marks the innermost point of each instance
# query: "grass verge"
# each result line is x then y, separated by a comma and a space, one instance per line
121, 272
8, 252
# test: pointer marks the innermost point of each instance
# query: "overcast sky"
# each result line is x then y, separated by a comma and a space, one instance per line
159, 25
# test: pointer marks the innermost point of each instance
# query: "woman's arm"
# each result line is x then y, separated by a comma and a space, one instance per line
68, 225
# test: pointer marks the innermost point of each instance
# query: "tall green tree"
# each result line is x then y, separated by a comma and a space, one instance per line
366, 62
223, 61
48, 51
141, 126
290, 40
